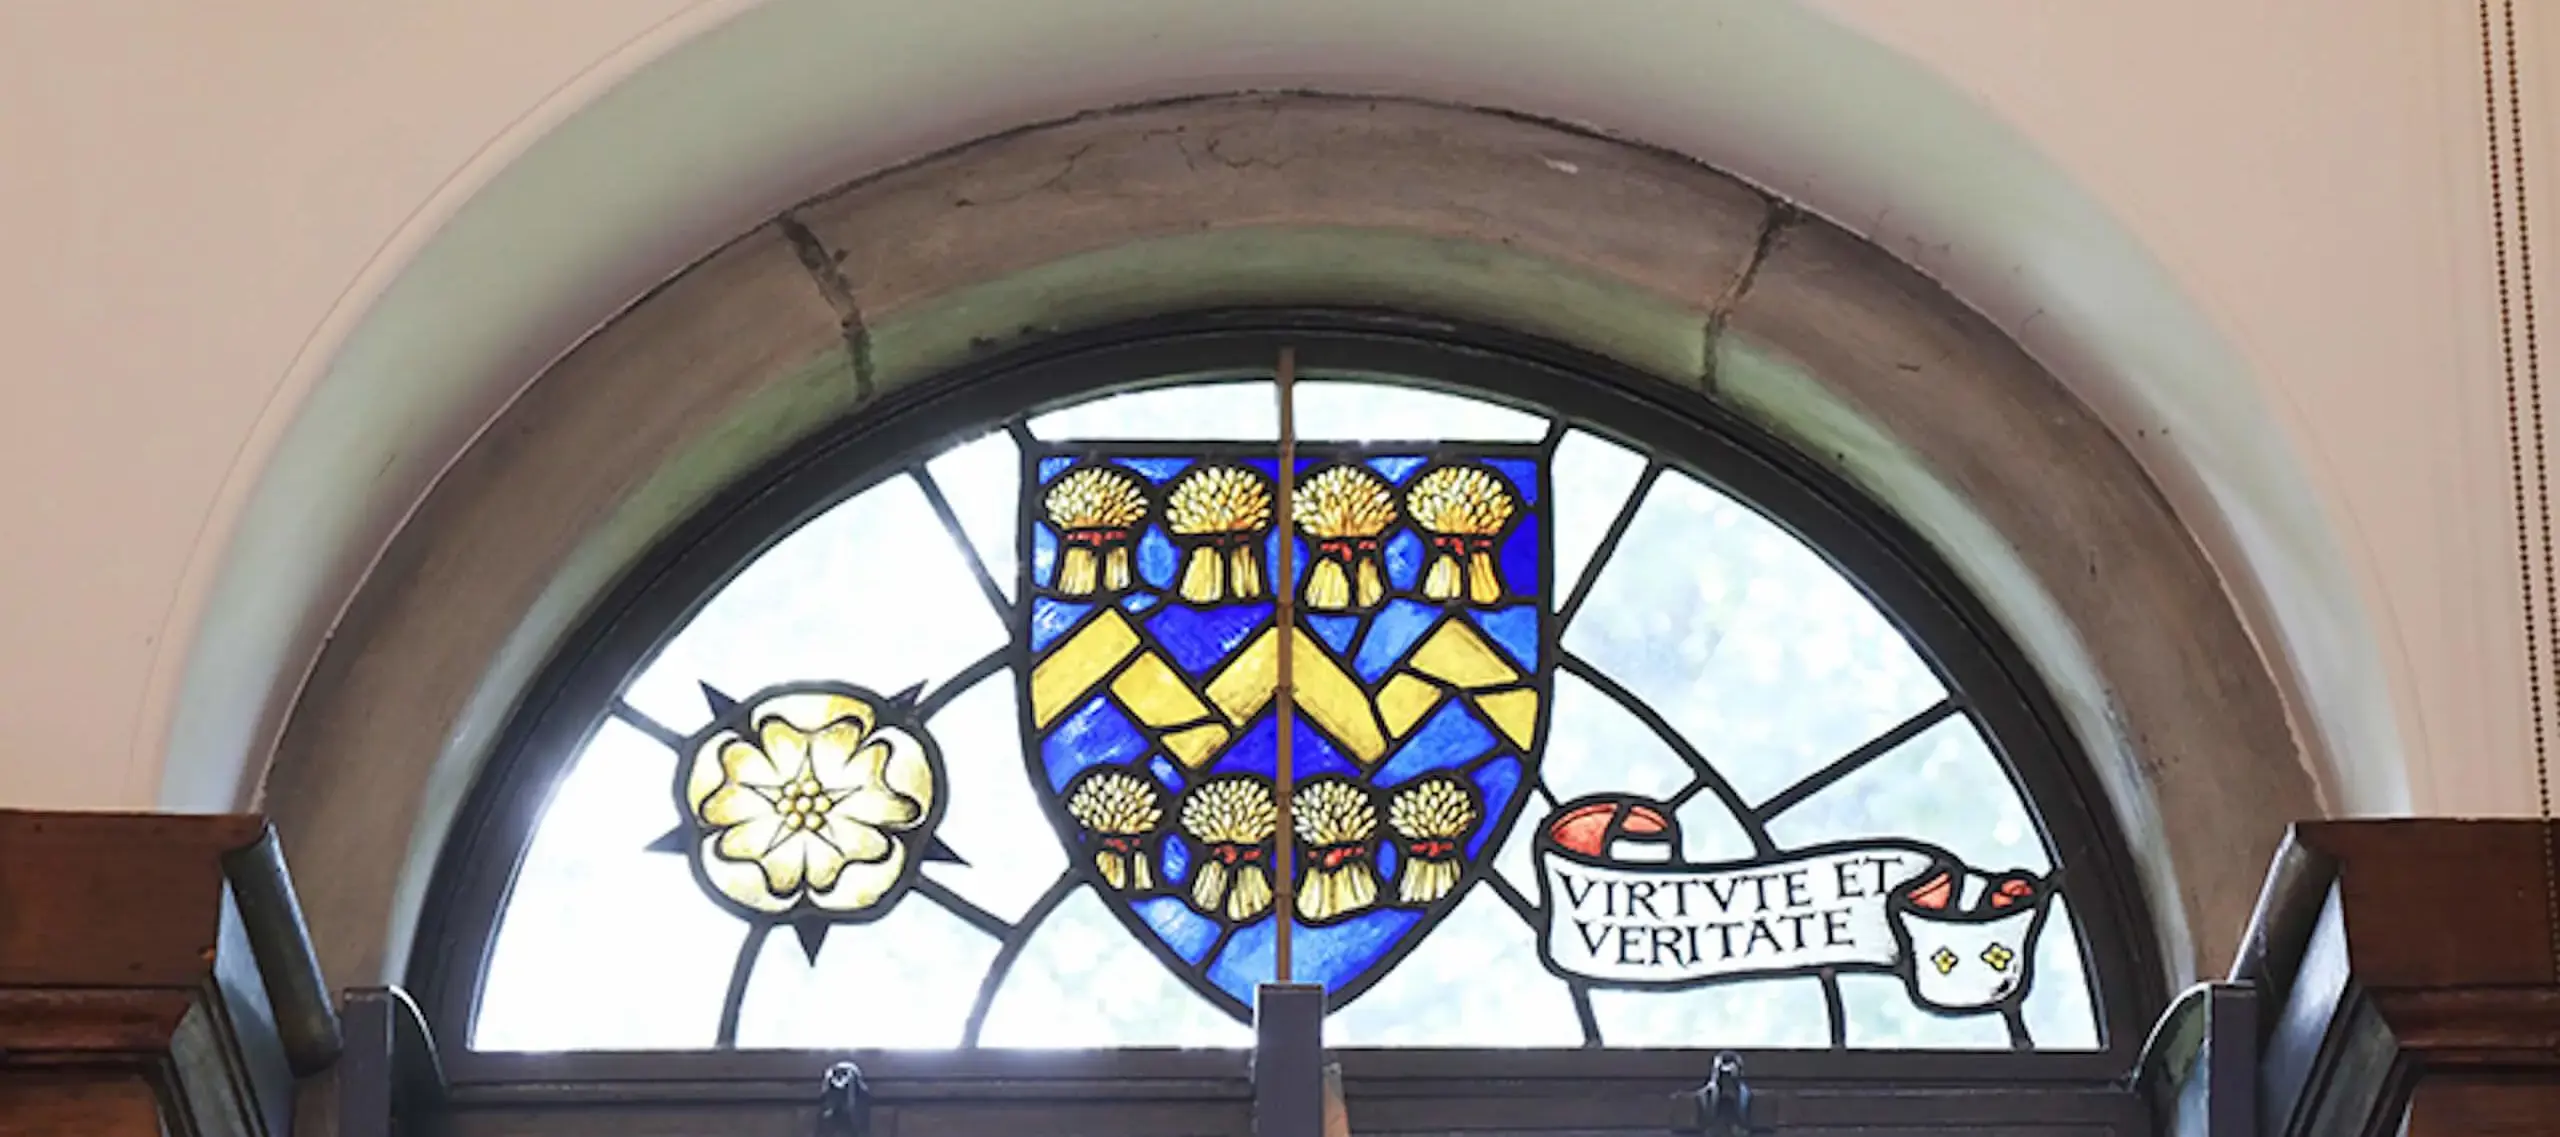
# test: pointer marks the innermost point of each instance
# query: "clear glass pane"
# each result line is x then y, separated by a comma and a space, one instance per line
596, 920
1762, 656
1881, 1016
1592, 477
1594, 745
1328, 411
980, 479
872, 592
2061, 1009
1513, 859
1474, 982
1083, 980
1008, 853
1943, 787
905, 981
1773, 1013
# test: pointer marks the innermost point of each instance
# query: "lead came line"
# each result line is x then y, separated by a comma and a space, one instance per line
1285, 688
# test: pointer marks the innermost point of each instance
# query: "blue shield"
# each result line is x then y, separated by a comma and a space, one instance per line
1419, 657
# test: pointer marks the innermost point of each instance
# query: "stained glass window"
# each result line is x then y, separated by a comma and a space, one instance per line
1589, 749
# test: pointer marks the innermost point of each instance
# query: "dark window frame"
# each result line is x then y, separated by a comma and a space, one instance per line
1874, 550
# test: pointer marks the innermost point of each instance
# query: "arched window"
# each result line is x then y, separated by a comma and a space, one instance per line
1619, 735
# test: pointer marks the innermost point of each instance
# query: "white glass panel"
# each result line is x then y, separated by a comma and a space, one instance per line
872, 592
1881, 1016
604, 944
1205, 412
1513, 859
1774, 1013
1943, 787
1596, 746
1763, 657
1328, 411
1710, 833
904, 981
1592, 478
1475, 981
980, 480
1082, 980
2061, 1011
1352, 411
992, 821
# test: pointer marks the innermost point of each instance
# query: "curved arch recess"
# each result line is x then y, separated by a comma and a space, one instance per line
447, 343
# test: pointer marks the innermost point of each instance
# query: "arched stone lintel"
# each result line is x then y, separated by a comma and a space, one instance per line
1644, 257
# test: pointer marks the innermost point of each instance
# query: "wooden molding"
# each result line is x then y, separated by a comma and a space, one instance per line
2408, 972
154, 977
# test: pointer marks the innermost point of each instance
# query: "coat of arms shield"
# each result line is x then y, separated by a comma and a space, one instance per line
1420, 657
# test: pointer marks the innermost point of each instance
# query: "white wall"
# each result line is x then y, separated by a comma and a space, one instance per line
270, 262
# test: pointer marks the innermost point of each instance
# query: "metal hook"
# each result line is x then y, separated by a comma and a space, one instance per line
844, 1103
1724, 1103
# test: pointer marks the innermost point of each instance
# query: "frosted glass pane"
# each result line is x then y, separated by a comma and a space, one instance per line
2061, 1010
1769, 662
905, 981
1328, 411
980, 480
1355, 412
1773, 1013
1594, 745
1206, 412
1880, 1015
1476, 981
992, 821
1943, 787
1592, 478
605, 944
1082, 980
872, 592
1513, 858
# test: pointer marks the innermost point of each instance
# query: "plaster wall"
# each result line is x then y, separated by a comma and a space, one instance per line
273, 263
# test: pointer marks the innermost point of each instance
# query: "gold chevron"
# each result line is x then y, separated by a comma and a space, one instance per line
1324, 692
1072, 668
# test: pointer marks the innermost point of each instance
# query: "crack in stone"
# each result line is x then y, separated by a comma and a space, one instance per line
1781, 217
826, 269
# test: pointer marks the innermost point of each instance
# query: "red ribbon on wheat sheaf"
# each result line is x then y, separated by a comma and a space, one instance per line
1340, 855
1097, 538
1435, 850
1233, 855
1131, 844
1461, 544
1346, 549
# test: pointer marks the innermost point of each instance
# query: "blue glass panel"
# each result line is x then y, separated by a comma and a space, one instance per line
1188, 933
1052, 467
1514, 628
1258, 752
1335, 631
1499, 779
1519, 558
1392, 632
1523, 473
1398, 467
1198, 638
1450, 737
1164, 771
1139, 601
1332, 955
1270, 467
1156, 469
1177, 860
1297, 557
1404, 560
1051, 619
1044, 554
1386, 864
1095, 734
1157, 558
